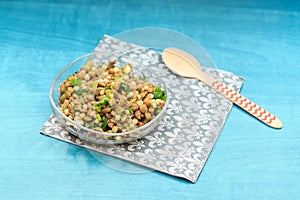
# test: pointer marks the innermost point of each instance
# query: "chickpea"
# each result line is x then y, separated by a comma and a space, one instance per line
87, 77
62, 88
114, 129
147, 102
148, 116
81, 75
106, 110
143, 108
92, 74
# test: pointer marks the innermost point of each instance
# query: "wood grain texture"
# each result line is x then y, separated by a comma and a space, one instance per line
258, 40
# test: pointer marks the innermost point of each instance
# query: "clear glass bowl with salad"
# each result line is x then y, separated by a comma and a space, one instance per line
106, 101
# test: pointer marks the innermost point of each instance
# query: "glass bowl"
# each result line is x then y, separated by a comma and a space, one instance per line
80, 128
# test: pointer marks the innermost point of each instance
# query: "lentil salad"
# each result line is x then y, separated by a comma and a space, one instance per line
108, 98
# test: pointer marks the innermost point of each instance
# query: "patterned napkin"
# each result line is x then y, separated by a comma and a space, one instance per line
182, 141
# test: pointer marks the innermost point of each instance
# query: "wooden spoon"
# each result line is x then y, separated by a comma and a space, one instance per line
184, 64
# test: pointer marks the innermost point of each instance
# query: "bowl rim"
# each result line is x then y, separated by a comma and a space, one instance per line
81, 127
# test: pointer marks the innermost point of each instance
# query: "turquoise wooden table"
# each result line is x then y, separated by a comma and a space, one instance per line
258, 40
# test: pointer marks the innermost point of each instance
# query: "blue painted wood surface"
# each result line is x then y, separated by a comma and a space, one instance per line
259, 40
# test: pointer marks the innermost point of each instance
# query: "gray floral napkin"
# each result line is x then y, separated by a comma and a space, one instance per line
182, 141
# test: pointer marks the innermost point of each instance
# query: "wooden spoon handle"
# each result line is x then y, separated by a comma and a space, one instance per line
244, 103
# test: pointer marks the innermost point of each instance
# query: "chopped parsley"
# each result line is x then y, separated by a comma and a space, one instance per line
130, 111
98, 105
79, 92
159, 94
75, 82
104, 123
125, 87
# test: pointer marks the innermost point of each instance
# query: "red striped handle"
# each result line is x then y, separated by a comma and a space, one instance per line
246, 104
